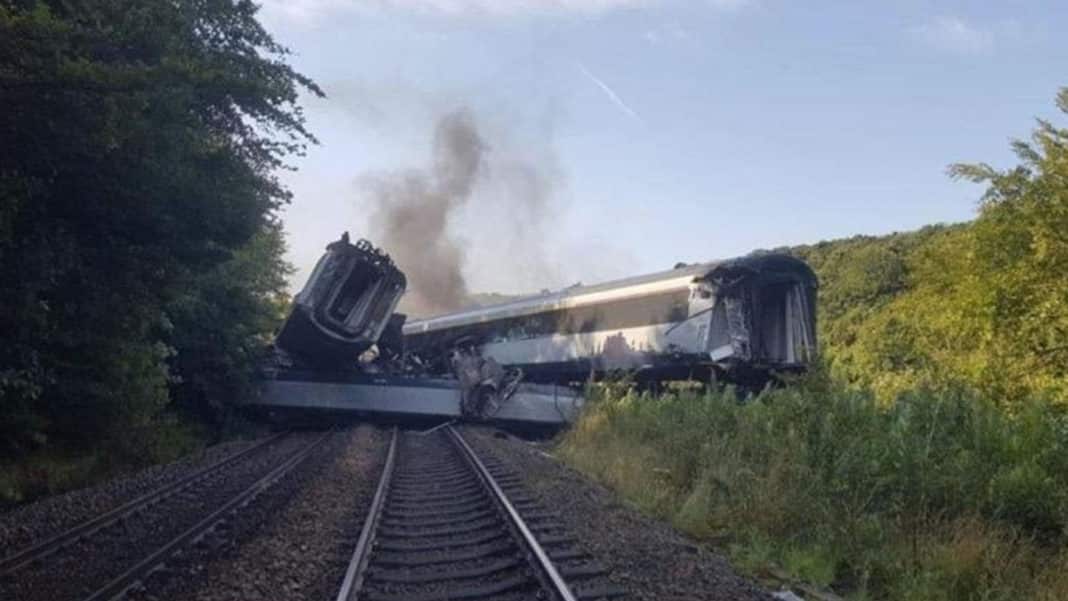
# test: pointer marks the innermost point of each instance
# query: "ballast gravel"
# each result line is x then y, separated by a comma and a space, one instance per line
296, 541
35, 522
85, 565
646, 558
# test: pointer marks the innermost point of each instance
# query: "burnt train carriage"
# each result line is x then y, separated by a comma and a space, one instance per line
344, 307
738, 319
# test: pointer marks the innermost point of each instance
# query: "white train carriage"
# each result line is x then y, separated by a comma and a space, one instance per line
740, 319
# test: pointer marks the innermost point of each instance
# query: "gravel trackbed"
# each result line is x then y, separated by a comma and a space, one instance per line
646, 558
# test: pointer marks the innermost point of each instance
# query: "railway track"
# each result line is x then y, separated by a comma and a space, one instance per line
446, 524
105, 556
23, 557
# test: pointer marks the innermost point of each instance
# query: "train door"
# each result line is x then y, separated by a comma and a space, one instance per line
784, 329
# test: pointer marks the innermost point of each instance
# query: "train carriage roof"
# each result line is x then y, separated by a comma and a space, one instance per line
664, 281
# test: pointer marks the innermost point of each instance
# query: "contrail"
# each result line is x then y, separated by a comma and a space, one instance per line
616, 100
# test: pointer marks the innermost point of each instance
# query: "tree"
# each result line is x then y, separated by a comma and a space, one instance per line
1021, 260
220, 326
139, 145
982, 305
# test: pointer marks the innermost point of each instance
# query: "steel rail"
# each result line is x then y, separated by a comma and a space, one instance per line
51, 545
350, 586
120, 584
541, 558
354, 575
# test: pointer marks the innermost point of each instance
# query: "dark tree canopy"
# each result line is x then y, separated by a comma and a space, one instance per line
139, 146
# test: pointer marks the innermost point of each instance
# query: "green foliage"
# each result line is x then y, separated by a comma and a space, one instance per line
139, 248
938, 492
221, 326
983, 304
1021, 258
860, 278
44, 474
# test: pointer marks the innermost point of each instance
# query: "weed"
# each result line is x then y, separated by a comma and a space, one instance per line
938, 494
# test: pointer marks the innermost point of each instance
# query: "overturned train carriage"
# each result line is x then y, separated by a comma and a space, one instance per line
739, 320
344, 307
347, 307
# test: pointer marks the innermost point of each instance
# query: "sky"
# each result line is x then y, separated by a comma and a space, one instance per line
663, 131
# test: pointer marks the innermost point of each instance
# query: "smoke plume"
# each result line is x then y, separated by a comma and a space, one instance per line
411, 211
505, 187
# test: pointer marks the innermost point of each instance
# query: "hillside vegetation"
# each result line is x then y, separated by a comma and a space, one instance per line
982, 304
926, 455
140, 252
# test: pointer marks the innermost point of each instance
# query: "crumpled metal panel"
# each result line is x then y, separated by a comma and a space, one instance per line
344, 307
738, 321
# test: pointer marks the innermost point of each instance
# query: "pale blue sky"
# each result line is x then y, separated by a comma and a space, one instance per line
675, 131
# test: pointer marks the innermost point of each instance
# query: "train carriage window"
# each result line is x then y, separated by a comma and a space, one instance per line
314, 286
360, 281
377, 306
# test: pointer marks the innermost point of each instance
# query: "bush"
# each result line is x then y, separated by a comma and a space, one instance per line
140, 250
937, 494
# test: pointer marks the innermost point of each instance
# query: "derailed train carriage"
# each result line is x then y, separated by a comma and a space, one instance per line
342, 350
739, 320
344, 308
339, 352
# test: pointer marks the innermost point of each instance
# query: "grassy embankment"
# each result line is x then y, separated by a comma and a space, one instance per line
933, 496
55, 469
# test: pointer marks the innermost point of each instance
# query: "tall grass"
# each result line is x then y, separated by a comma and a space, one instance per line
940, 495
57, 469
